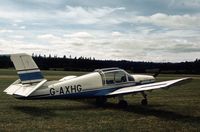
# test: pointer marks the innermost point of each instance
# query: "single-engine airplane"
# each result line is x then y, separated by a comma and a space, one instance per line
100, 84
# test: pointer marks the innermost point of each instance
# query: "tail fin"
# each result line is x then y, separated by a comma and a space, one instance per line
26, 68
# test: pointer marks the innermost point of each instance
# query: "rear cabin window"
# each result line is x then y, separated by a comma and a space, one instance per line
130, 78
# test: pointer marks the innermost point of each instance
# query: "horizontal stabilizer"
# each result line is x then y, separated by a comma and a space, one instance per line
12, 88
23, 89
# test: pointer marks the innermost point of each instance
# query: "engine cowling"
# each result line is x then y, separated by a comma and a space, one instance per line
143, 79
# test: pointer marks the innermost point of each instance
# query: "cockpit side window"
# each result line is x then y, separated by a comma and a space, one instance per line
115, 77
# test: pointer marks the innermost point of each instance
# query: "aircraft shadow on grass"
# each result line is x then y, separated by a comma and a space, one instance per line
50, 111
149, 110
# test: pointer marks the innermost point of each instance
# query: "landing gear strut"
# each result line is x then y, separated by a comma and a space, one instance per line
144, 101
122, 103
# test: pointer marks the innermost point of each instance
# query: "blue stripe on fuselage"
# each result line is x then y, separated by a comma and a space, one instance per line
86, 94
30, 76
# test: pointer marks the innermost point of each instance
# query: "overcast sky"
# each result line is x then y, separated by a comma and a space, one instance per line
138, 30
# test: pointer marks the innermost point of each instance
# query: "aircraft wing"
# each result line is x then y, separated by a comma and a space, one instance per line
146, 87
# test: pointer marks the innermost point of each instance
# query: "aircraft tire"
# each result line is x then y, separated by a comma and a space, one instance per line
144, 102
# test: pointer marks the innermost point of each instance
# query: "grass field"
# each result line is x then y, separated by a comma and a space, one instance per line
176, 109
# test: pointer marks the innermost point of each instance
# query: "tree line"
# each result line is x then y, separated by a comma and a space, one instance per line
89, 64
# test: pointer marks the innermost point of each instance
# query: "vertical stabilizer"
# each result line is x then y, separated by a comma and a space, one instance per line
26, 68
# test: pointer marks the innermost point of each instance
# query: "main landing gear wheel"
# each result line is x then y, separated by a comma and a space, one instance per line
144, 101
100, 101
123, 104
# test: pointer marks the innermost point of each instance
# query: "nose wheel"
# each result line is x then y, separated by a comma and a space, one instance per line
144, 101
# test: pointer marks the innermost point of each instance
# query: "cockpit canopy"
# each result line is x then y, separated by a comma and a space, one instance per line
114, 76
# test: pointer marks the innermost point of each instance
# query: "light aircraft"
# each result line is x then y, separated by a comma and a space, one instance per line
100, 84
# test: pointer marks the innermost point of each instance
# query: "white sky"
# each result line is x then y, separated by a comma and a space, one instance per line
138, 30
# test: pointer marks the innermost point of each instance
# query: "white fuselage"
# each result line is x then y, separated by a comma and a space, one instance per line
88, 85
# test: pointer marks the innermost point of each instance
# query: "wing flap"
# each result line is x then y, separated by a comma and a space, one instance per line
147, 87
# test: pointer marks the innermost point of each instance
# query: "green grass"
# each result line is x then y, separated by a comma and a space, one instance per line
176, 109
